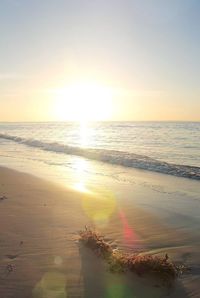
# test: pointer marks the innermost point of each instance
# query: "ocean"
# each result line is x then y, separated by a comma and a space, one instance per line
102, 148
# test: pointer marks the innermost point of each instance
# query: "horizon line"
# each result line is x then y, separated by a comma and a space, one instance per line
76, 121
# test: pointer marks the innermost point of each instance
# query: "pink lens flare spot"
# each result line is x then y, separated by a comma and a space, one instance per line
130, 236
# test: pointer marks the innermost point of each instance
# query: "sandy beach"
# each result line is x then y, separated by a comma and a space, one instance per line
40, 255
99, 149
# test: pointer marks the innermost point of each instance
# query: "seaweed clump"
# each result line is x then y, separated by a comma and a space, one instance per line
119, 261
96, 242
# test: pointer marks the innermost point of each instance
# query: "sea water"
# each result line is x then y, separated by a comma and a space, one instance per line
166, 147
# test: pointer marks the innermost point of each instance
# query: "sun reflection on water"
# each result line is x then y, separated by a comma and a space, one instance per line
81, 166
84, 134
98, 203
81, 187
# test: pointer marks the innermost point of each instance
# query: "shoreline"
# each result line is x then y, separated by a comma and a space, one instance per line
45, 218
111, 157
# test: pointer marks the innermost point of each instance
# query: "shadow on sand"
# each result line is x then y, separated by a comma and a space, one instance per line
99, 282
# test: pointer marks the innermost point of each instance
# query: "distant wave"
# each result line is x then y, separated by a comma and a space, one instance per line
113, 157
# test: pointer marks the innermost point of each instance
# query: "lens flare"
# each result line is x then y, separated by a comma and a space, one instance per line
118, 289
130, 237
58, 261
52, 285
99, 206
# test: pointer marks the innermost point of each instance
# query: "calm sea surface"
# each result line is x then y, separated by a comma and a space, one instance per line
166, 147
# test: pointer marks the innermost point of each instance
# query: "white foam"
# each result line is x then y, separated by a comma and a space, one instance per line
113, 157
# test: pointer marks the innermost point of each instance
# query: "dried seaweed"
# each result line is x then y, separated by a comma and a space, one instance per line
140, 264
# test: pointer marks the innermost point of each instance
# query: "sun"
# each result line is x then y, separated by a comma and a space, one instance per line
85, 101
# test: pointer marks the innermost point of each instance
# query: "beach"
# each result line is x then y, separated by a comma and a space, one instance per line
40, 254
99, 149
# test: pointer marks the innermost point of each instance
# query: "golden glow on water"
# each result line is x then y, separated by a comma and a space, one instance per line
84, 134
81, 166
98, 203
80, 186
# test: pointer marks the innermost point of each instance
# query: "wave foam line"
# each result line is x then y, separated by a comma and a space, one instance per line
113, 157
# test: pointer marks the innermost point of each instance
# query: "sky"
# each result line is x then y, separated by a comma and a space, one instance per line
99, 60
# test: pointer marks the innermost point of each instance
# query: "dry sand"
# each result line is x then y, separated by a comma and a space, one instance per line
40, 256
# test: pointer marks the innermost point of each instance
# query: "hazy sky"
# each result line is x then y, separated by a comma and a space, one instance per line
146, 51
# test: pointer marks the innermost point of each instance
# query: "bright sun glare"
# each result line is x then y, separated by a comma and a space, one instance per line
83, 102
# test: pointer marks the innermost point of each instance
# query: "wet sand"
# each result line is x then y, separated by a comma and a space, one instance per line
40, 256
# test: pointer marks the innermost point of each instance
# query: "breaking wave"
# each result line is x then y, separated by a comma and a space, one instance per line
113, 157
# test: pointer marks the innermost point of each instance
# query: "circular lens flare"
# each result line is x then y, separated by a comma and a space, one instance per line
52, 285
99, 206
